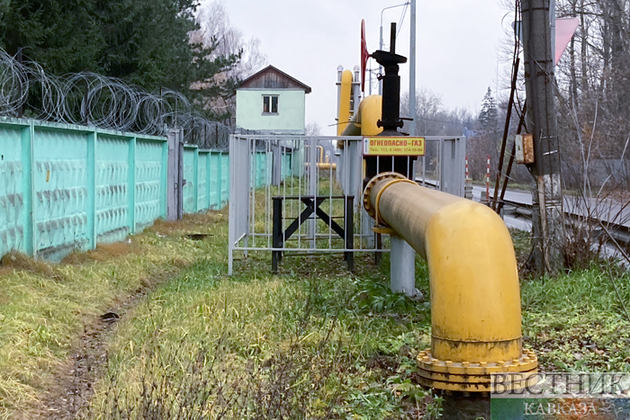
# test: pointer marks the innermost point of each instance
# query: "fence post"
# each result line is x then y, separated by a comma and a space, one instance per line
208, 168
277, 163
174, 190
28, 188
164, 181
228, 179
196, 178
219, 184
131, 185
92, 139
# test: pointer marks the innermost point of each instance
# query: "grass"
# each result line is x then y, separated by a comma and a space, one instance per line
522, 245
576, 322
315, 342
44, 308
312, 342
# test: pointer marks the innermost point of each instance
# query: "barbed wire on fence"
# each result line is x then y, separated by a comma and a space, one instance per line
92, 99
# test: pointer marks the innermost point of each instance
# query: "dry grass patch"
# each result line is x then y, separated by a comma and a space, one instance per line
16, 261
190, 223
103, 252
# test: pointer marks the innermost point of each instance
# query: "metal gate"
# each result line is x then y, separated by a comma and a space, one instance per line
297, 194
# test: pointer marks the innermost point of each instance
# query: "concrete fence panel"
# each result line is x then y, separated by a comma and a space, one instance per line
202, 179
13, 201
150, 182
66, 188
224, 164
190, 179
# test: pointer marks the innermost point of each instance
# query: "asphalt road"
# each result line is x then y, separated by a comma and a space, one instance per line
612, 211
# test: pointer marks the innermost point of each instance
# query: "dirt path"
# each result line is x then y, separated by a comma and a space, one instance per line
67, 395
74, 380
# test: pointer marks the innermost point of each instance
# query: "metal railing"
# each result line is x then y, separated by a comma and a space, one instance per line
291, 194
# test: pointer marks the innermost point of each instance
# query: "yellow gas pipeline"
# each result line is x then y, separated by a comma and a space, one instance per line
363, 123
475, 296
322, 164
345, 92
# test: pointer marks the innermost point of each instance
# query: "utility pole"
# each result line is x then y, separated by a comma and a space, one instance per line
547, 216
412, 70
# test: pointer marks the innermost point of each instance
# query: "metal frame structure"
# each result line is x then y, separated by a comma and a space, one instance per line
444, 164
293, 170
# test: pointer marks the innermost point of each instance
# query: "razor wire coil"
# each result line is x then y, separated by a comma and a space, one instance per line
95, 100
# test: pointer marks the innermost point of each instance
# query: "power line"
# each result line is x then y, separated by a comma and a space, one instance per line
402, 18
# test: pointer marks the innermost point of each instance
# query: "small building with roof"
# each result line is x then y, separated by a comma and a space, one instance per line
271, 101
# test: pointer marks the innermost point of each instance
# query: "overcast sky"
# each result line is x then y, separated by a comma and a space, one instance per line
457, 44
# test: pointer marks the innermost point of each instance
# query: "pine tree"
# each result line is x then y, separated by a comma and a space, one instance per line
62, 36
145, 42
488, 117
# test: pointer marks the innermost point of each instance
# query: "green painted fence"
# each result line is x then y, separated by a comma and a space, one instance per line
206, 179
261, 169
66, 188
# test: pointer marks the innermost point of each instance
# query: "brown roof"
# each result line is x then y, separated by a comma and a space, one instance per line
272, 78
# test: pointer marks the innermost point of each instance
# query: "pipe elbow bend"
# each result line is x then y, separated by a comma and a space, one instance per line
475, 293
473, 275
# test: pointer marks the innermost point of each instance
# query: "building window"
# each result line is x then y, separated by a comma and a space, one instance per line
270, 104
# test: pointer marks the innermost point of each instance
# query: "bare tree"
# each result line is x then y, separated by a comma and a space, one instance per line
312, 129
216, 32
594, 92
432, 119
216, 29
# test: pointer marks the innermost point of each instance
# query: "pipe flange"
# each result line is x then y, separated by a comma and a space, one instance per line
475, 377
373, 211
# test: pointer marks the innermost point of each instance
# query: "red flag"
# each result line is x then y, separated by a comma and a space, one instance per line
364, 55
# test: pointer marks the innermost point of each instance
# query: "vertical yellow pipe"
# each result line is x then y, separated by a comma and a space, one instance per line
475, 293
344, 101
321, 153
364, 123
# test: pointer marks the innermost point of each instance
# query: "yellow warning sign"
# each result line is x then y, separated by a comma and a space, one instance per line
393, 146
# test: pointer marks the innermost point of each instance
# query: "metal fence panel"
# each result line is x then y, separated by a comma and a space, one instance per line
303, 212
240, 167
452, 165
258, 202
443, 165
